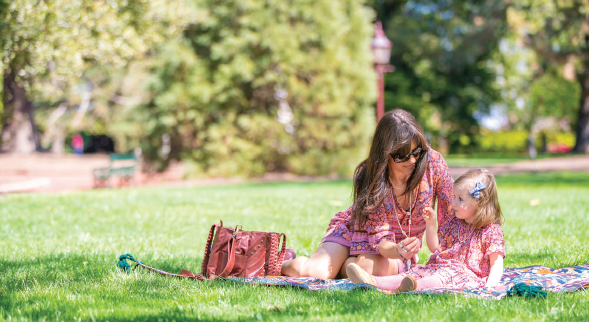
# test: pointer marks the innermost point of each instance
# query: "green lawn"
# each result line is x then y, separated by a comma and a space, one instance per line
58, 254
487, 160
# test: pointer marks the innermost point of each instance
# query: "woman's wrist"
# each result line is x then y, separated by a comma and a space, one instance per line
385, 249
397, 246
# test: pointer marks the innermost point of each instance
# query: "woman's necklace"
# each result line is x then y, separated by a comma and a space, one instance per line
391, 180
408, 213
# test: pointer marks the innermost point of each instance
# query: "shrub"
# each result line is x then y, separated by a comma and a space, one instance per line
256, 88
514, 142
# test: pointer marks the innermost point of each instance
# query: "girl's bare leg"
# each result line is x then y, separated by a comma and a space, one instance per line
324, 263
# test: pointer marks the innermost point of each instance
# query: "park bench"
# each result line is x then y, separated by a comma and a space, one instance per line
121, 165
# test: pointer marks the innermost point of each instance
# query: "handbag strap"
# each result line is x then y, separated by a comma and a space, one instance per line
230, 253
281, 256
184, 274
276, 257
205, 260
230, 258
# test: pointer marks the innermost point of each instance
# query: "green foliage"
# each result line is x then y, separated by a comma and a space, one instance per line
442, 51
557, 33
506, 142
1, 105
3, 27
552, 95
50, 43
566, 138
58, 254
46, 46
533, 93
514, 142
216, 93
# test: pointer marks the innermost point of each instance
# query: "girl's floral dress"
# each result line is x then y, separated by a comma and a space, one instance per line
462, 259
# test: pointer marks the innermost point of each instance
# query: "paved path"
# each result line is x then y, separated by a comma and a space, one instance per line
50, 173
567, 163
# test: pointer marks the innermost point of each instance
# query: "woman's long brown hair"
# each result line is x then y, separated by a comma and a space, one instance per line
394, 134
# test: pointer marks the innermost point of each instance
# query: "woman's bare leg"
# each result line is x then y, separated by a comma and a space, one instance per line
324, 263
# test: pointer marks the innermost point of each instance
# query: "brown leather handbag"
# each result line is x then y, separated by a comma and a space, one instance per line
232, 252
238, 253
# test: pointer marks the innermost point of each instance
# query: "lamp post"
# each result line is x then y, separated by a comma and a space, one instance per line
381, 52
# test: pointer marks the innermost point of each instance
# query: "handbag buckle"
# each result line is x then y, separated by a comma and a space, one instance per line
236, 229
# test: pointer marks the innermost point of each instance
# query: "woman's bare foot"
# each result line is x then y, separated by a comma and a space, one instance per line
357, 275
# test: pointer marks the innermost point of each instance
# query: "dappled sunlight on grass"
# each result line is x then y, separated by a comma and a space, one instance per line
58, 253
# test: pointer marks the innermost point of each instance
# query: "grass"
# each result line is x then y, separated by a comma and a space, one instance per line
58, 254
491, 159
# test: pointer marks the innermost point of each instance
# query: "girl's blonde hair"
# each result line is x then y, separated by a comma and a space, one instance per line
488, 209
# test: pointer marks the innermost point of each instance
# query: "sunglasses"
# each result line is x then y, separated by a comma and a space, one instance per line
400, 159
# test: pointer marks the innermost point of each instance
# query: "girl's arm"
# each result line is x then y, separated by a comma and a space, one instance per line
431, 229
496, 273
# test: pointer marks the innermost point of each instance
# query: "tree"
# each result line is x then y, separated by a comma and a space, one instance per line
46, 46
257, 86
3, 11
536, 96
558, 31
443, 51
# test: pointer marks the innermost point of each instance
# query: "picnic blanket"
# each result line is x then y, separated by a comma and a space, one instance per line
560, 280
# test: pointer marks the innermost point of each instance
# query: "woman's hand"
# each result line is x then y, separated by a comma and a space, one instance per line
389, 249
429, 216
409, 247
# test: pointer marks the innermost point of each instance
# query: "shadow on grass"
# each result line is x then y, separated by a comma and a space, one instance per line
74, 286
331, 305
62, 269
96, 294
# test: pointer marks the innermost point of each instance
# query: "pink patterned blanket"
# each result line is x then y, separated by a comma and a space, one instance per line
560, 280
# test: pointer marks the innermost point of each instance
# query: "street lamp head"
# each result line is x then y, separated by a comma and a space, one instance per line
381, 46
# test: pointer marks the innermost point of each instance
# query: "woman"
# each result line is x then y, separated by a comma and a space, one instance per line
383, 229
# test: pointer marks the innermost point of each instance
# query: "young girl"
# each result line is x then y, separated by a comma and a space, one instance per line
468, 250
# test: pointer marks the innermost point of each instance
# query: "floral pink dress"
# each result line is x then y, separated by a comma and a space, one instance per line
462, 260
383, 224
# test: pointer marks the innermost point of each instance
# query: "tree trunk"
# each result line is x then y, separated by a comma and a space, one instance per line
582, 144
56, 133
532, 146
19, 133
58, 144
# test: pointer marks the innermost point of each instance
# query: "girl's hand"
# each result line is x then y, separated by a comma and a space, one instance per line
429, 216
431, 230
